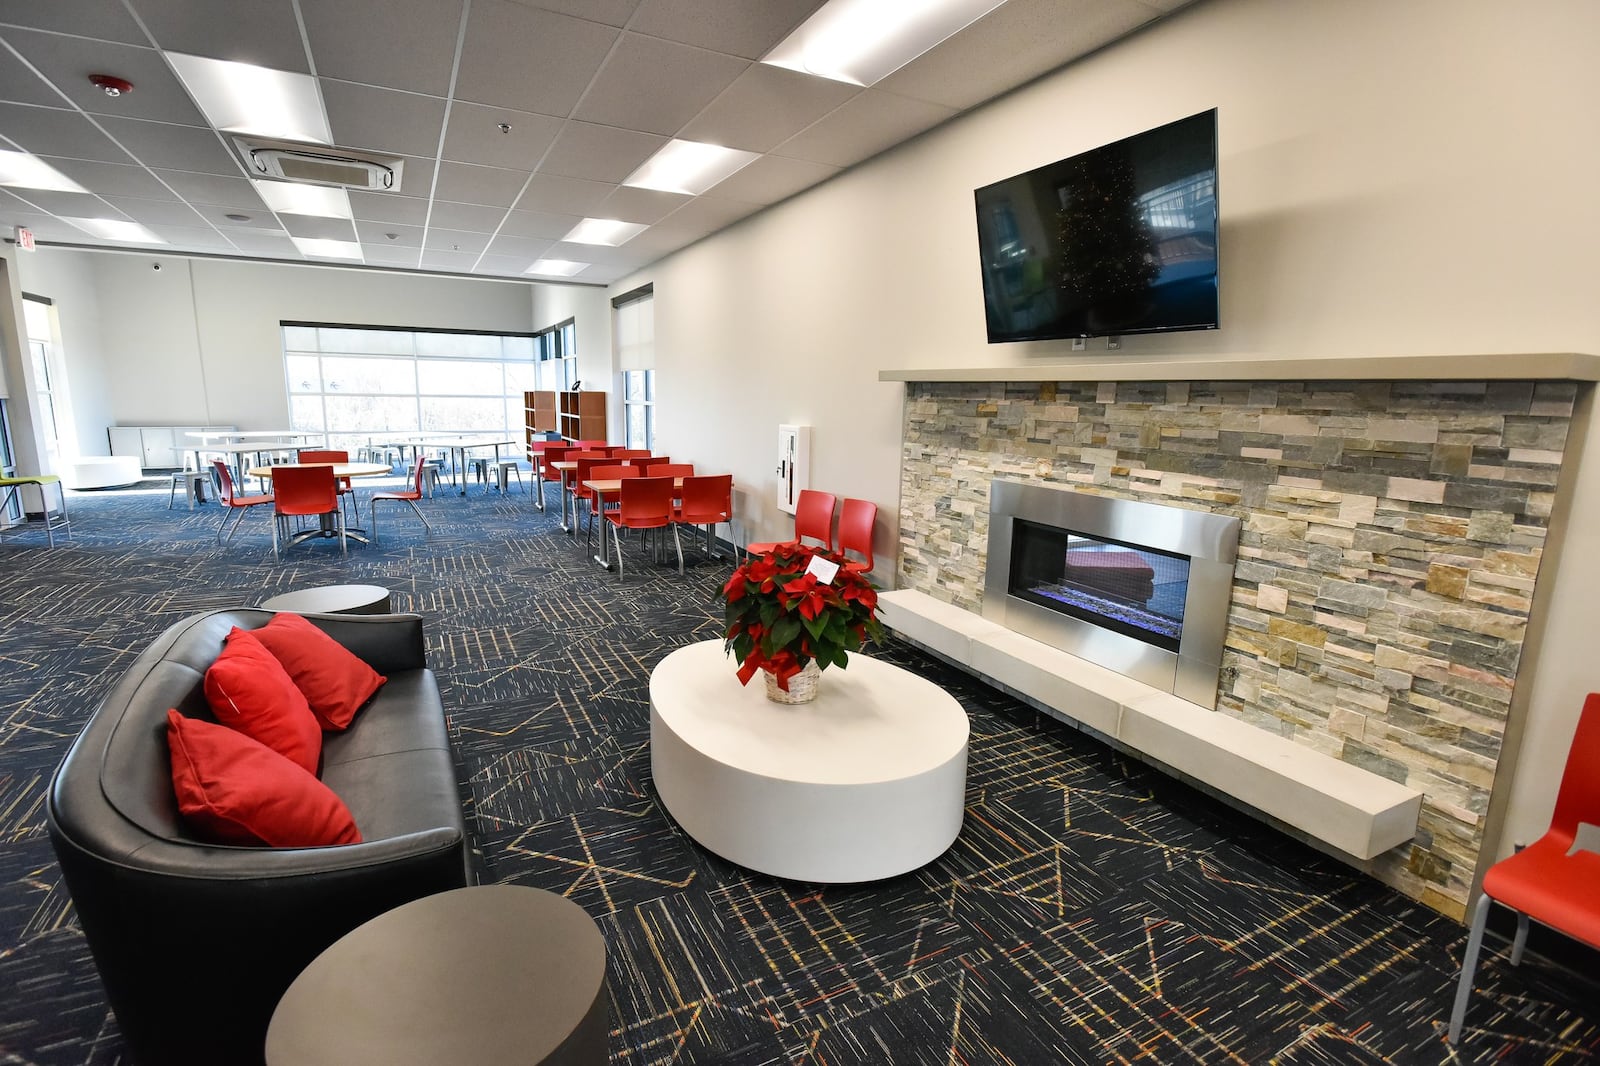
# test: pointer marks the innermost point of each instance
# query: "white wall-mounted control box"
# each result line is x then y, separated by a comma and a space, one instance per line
794, 464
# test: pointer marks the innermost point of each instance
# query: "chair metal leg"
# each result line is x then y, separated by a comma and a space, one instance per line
1521, 940
372, 506
616, 541
424, 518
677, 543
340, 512
1469, 966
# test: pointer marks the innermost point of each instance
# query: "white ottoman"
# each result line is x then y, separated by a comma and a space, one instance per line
101, 471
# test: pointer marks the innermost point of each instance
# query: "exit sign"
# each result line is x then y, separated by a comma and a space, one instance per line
25, 239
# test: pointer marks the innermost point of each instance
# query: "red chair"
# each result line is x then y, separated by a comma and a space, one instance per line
813, 517
663, 468
550, 453
607, 471
409, 497
590, 445
586, 462
644, 503
707, 501
856, 518
301, 491
308, 455
237, 506
630, 453
1550, 880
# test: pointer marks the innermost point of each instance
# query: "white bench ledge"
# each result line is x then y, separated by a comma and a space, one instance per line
1349, 808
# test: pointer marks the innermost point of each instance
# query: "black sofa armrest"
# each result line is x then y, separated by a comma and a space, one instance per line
389, 643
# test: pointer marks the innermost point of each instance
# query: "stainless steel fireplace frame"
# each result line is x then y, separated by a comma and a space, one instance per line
1210, 542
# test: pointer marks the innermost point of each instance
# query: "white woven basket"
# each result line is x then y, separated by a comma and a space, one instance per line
802, 686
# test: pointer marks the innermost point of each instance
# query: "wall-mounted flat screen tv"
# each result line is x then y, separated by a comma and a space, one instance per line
1119, 239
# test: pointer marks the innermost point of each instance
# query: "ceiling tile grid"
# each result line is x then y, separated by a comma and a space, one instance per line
514, 119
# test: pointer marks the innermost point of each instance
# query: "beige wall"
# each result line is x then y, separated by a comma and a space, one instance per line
1396, 179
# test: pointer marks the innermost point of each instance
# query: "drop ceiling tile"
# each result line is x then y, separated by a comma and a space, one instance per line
53, 131
568, 196
525, 248
473, 218
263, 32
114, 179
86, 18
382, 120
505, 266
214, 189
474, 136
260, 242
863, 126
68, 62
416, 176
68, 204
640, 205
331, 229
962, 73
766, 106
736, 27
464, 183
174, 147
450, 240
557, 56
414, 50
376, 234
772, 178
47, 227
389, 207
454, 262
656, 86
706, 215
599, 153
255, 220
21, 85
538, 224
156, 212
394, 257
193, 238
610, 12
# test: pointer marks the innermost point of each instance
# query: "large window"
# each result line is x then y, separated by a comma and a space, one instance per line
639, 407
633, 328
556, 350
354, 383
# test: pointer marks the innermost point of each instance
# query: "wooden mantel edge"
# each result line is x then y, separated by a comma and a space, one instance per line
1516, 366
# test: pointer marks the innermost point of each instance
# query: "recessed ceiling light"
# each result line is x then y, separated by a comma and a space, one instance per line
604, 231
327, 249
563, 268
236, 217
245, 98
289, 198
19, 170
115, 229
861, 42
689, 167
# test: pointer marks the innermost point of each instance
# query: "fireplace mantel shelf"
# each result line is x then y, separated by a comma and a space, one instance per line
1515, 366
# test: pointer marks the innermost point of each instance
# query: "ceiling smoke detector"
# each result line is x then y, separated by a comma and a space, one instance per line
316, 164
111, 85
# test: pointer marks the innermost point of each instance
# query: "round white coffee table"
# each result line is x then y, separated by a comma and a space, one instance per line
867, 782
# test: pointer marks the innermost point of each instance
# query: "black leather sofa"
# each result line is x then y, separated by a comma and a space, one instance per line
195, 942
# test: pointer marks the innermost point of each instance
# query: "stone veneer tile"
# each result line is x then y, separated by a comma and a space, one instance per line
1392, 535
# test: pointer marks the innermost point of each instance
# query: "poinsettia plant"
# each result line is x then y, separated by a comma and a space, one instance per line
780, 616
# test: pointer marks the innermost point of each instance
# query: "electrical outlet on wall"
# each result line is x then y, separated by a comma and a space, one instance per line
1079, 344
1113, 343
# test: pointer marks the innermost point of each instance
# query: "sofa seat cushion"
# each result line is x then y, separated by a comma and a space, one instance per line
249, 690
235, 790
335, 683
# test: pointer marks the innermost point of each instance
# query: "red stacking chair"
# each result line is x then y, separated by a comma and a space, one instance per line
630, 453
813, 517
304, 490
1550, 881
590, 445
856, 518
308, 455
664, 468
550, 453
706, 501
409, 497
237, 506
646, 503
607, 471
586, 462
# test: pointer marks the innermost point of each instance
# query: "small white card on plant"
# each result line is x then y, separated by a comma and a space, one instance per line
822, 569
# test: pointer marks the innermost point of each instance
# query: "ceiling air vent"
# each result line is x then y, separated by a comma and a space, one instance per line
318, 165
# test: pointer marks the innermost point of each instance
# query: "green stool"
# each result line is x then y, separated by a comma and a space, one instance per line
13, 485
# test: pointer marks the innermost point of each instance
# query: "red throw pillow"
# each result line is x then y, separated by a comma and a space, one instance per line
250, 691
234, 790
335, 681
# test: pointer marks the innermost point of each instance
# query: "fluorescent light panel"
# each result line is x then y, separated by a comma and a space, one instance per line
563, 268
288, 198
324, 248
245, 98
689, 167
606, 231
20, 170
115, 229
861, 42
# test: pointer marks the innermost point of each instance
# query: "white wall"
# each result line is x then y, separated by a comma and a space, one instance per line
67, 279
590, 311
198, 340
1395, 179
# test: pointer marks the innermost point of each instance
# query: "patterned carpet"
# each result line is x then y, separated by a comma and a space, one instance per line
1092, 911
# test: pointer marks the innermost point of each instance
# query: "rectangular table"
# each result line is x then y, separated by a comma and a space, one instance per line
459, 446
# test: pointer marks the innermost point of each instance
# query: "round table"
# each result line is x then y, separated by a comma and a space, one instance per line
867, 782
485, 975
333, 599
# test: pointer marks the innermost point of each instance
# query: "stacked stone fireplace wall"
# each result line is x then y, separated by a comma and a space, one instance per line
1392, 535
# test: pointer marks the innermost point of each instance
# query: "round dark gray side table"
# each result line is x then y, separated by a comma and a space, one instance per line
333, 599
485, 975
